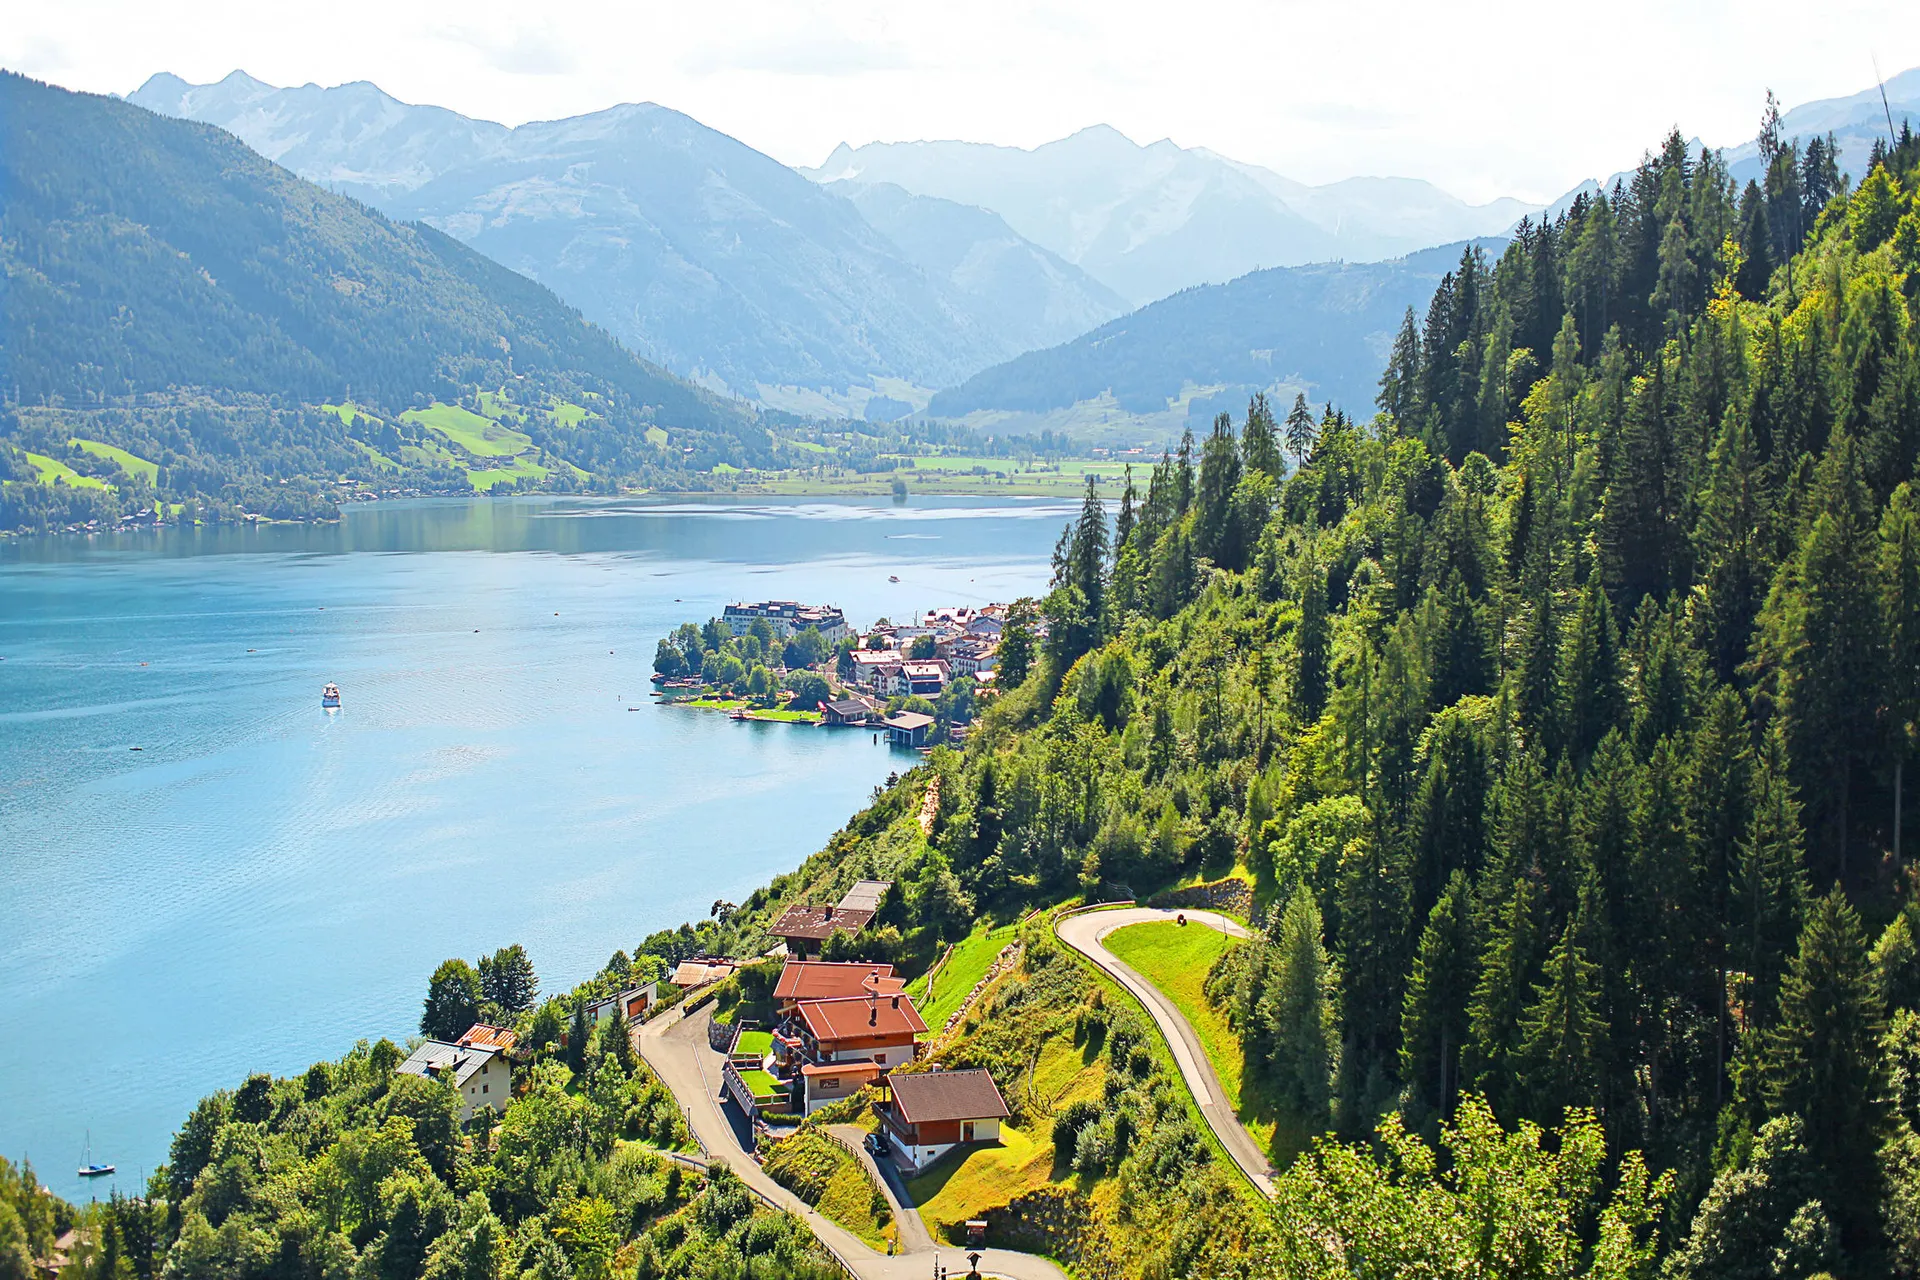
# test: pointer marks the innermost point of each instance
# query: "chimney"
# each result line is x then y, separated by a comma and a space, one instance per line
829, 911
896, 999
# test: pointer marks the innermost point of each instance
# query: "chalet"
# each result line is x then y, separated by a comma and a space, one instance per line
632, 1004
987, 626
483, 1075
932, 1112
853, 711
877, 1029
804, 929
908, 728
956, 617
803, 980
786, 617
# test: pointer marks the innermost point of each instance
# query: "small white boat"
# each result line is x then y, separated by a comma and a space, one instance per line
893, 577
330, 696
88, 1169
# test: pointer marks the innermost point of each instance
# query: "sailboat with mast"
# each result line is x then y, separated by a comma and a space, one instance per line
88, 1169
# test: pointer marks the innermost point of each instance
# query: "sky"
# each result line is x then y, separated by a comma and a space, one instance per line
1488, 99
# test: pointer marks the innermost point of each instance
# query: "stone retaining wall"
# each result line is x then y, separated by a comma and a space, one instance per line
1232, 895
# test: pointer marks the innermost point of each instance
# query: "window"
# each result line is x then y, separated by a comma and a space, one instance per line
880, 1059
483, 1088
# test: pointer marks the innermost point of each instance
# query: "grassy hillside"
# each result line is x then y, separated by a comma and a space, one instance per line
172, 295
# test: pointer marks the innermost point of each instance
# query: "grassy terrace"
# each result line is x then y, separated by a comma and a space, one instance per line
757, 1043
972, 956
1176, 958
762, 1084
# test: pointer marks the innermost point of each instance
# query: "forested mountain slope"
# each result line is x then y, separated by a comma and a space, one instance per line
1324, 330
172, 294
1560, 715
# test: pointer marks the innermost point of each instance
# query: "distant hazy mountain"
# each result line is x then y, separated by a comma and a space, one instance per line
1150, 220
1036, 297
698, 251
1855, 122
1322, 329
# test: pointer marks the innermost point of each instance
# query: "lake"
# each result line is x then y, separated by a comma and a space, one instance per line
204, 874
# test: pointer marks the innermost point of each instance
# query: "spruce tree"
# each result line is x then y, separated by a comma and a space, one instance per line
1433, 1020
1496, 1013
1900, 609
1300, 430
1772, 886
1562, 1033
1300, 1013
1312, 643
1260, 441
1399, 384
1822, 1059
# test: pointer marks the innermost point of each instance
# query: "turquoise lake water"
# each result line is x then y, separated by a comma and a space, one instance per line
262, 883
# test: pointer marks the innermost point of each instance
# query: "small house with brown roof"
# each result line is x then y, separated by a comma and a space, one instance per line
804, 929
932, 1112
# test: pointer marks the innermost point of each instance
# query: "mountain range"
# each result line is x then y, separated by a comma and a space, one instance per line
694, 249
1321, 330
1151, 220
172, 294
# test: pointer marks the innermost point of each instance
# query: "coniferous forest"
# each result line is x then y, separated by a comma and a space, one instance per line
1561, 713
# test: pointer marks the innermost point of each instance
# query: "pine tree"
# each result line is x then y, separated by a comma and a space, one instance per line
1900, 609
507, 979
1771, 887
1300, 1013
1822, 1058
1215, 530
1312, 642
1260, 441
1399, 384
1595, 697
1496, 1013
1300, 430
1433, 1021
1562, 1033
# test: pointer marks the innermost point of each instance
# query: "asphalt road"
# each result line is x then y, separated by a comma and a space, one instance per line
1083, 933
676, 1048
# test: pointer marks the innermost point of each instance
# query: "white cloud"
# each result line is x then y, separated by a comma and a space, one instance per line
1495, 98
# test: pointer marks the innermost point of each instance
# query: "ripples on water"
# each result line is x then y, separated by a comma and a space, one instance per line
263, 883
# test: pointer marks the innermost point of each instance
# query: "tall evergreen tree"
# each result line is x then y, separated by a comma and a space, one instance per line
1562, 1033
1300, 430
1260, 441
1301, 1016
1434, 1018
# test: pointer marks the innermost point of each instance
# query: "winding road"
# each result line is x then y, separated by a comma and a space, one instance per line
675, 1046
1083, 933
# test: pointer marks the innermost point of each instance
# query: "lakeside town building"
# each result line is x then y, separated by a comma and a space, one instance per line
787, 617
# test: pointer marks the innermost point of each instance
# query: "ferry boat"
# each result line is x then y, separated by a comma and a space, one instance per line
330, 696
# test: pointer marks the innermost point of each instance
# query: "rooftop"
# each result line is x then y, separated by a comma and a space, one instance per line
482, 1036
816, 923
829, 980
931, 1097
907, 720
861, 1017
436, 1058
865, 895
698, 973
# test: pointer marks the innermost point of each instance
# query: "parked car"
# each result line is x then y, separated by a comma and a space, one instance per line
877, 1143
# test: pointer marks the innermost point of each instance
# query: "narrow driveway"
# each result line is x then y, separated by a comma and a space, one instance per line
912, 1233
676, 1048
1083, 933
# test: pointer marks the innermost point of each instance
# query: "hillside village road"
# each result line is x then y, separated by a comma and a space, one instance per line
1083, 933
676, 1048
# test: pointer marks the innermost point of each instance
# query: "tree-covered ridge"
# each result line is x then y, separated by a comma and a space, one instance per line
1566, 701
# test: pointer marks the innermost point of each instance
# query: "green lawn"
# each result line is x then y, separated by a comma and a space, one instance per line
785, 715
761, 1084
481, 437
131, 463
567, 414
52, 469
757, 1043
967, 1183
1176, 958
516, 469
971, 958
656, 436
347, 413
